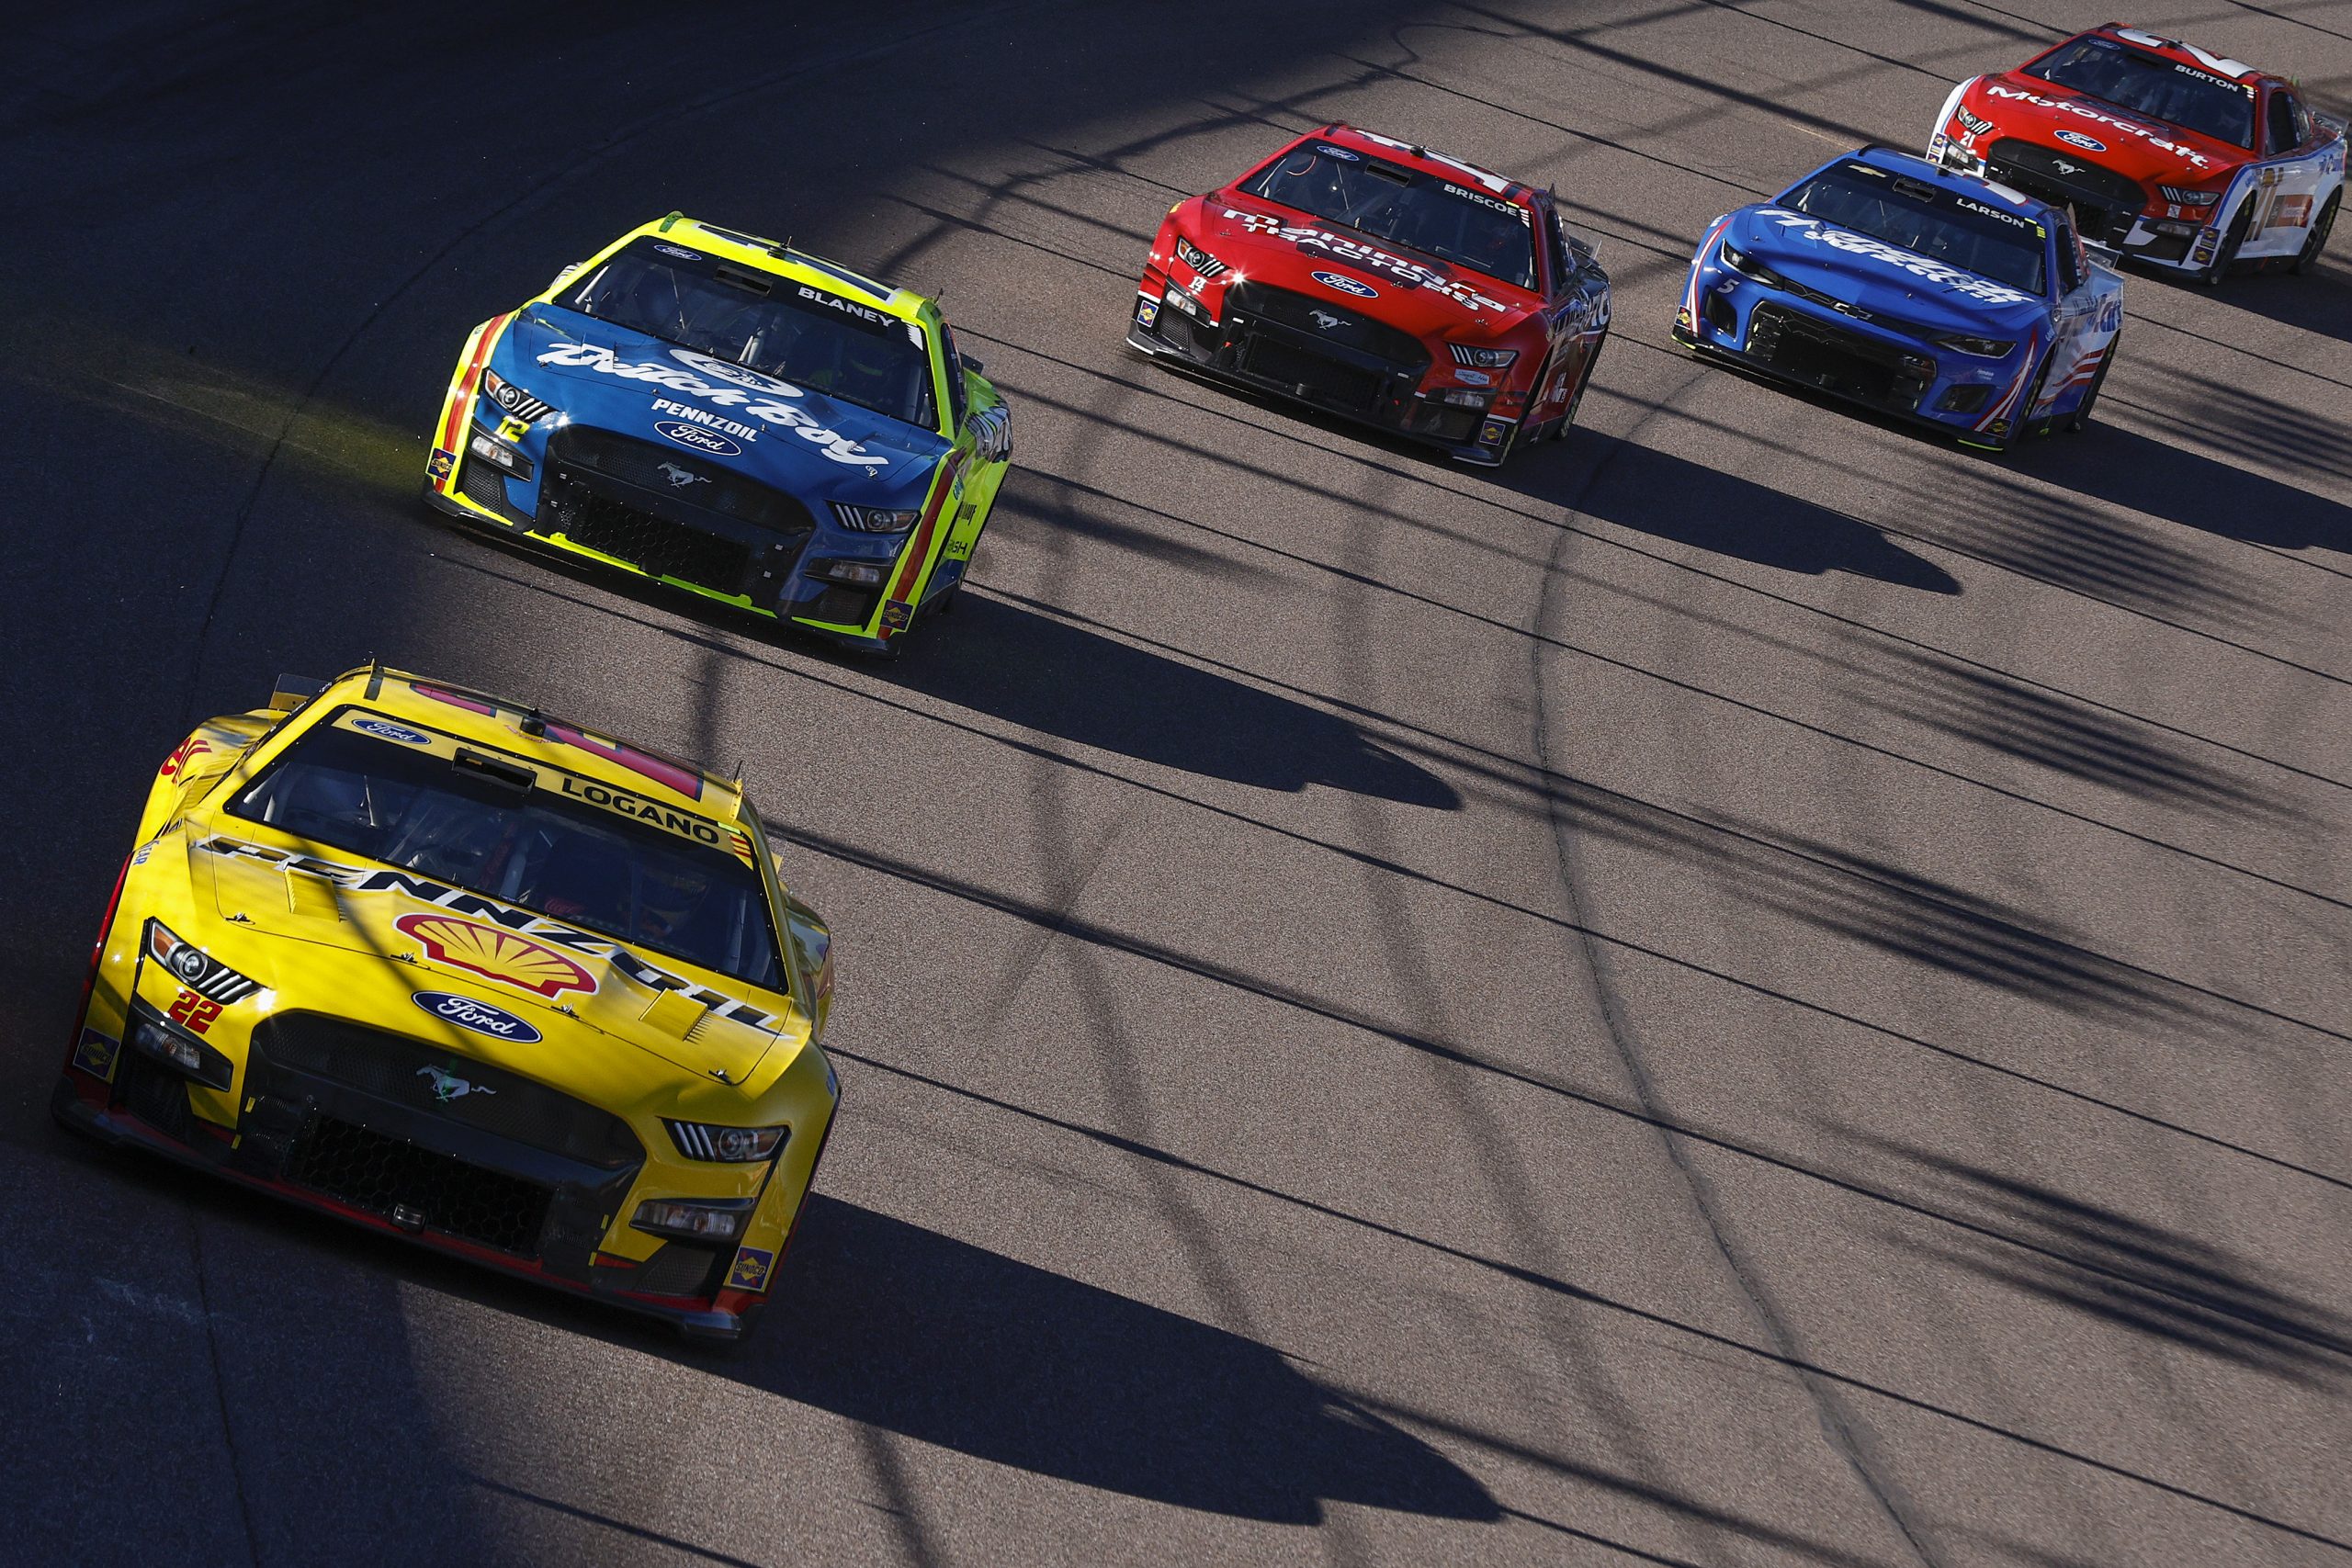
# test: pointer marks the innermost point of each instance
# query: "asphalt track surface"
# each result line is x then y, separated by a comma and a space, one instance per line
1755, 989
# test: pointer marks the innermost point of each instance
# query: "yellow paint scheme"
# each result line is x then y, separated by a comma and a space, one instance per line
964, 511
291, 914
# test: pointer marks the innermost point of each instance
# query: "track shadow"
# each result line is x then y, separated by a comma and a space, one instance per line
1673, 498
2125, 1271
2129, 470
2058, 732
1046, 674
900, 1327
2319, 302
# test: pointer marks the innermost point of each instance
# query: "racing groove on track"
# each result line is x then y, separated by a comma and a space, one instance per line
1753, 990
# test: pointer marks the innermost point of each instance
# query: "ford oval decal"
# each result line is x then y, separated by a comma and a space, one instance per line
385, 729
698, 438
1346, 285
480, 1017
2076, 139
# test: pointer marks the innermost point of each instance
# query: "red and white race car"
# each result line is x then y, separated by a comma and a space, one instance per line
1385, 282
2167, 154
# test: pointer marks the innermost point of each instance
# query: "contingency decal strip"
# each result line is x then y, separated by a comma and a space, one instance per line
910, 564
461, 406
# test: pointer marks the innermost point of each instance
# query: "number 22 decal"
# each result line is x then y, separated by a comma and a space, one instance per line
197, 1013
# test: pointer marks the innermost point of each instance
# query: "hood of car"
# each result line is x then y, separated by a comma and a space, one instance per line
1878, 278
316, 927
1406, 289
789, 436
2148, 151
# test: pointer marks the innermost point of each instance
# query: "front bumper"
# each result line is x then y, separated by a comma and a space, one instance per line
1794, 338
1271, 355
598, 496
424, 1179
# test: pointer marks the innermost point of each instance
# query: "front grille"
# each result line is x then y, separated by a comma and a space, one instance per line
679, 1269
1311, 376
2104, 202
651, 543
840, 605
694, 482
402, 1070
381, 1175
485, 485
1812, 351
1327, 321
155, 1095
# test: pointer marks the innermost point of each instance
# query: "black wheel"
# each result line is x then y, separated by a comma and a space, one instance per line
2081, 418
2228, 254
2316, 241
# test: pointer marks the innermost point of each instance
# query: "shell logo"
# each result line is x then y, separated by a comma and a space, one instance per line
497, 954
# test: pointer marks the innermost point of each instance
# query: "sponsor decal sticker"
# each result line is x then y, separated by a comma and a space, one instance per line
1342, 153
1982, 289
2289, 212
178, 760
385, 729
496, 954
897, 614
680, 252
369, 880
1147, 311
1500, 206
1472, 377
2076, 139
441, 463
750, 1270
698, 438
95, 1052
447, 1086
1347, 284
1369, 257
480, 1017
773, 405
2080, 110
685, 824
835, 302
694, 415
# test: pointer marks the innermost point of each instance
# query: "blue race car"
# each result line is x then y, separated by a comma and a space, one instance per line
1923, 293
733, 417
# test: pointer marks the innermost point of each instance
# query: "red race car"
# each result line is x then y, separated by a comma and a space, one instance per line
1387, 283
2167, 154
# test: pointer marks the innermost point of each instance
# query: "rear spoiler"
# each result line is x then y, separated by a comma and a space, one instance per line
292, 691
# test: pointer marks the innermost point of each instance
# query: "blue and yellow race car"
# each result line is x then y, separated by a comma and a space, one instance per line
734, 417
1934, 296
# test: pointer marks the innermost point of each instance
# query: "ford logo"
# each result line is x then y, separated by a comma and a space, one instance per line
1346, 285
480, 1017
384, 729
2076, 139
696, 437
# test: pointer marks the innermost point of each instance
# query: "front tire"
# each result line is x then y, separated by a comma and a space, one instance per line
2308, 258
2080, 419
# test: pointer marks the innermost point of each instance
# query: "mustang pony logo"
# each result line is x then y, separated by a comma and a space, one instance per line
447, 1086
681, 478
496, 954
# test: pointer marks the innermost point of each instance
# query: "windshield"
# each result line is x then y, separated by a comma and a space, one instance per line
812, 337
1954, 228
1436, 217
537, 838
2147, 83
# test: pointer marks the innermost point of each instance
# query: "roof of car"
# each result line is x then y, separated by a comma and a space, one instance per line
521, 729
784, 259
2181, 54
1899, 162
1420, 159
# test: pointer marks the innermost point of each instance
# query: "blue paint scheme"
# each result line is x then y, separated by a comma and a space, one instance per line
1910, 305
868, 459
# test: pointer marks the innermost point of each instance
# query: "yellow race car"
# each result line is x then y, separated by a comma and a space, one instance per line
453, 969
736, 417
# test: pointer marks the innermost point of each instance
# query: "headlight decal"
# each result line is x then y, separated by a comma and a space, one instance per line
513, 399
196, 969
726, 1145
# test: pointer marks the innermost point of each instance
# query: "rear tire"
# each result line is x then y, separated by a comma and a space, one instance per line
2308, 258
2081, 418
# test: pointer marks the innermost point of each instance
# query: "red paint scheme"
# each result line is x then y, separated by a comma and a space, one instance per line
1557, 327
2064, 123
